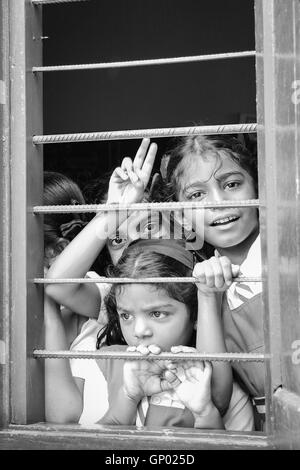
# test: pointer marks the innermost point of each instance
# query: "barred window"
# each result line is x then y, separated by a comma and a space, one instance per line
81, 82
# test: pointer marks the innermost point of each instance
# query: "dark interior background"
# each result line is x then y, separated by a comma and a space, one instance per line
211, 92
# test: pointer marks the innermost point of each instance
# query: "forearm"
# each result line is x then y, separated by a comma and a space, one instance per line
210, 339
76, 260
122, 410
63, 399
209, 418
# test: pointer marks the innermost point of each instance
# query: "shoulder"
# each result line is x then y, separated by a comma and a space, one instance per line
86, 340
102, 286
111, 366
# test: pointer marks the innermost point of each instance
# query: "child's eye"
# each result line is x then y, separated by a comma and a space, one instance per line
196, 195
117, 242
150, 227
125, 316
232, 184
159, 314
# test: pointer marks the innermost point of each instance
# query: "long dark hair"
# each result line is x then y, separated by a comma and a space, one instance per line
60, 229
139, 263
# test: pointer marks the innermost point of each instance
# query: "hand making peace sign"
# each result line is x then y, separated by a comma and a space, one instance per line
129, 181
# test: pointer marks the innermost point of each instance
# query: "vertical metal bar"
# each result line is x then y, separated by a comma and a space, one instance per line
287, 107
27, 384
4, 216
277, 60
296, 101
265, 111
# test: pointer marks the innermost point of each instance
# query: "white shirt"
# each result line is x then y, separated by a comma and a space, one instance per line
95, 400
238, 292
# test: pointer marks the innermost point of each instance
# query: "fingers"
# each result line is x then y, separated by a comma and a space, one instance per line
121, 173
235, 270
199, 272
140, 348
216, 272
207, 369
152, 348
136, 172
198, 364
135, 180
149, 160
179, 349
226, 270
221, 268
172, 379
140, 161
209, 273
143, 166
184, 364
205, 273
127, 165
127, 169
140, 154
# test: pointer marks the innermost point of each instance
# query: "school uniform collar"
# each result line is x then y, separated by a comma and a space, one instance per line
251, 266
240, 292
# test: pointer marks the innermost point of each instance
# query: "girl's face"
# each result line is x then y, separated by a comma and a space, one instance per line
140, 224
213, 179
148, 315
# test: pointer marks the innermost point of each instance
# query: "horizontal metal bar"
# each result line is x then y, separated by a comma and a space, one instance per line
154, 206
48, 436
145, 62
48, 2
130, 280
41, 353
151, 133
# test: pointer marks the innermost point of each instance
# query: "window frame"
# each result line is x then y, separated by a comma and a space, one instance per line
5, 216
21, 388
278, 118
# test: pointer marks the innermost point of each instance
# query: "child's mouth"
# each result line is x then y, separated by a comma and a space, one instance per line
224, 221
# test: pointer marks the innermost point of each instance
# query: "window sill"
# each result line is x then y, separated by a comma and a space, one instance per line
51, 436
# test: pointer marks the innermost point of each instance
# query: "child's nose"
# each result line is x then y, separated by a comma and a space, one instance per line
217, 194
141, 328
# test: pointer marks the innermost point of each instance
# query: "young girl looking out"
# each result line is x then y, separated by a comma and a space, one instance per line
216, 169
162, 317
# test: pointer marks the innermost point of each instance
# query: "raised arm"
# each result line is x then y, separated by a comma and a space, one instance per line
127, 185
214, 276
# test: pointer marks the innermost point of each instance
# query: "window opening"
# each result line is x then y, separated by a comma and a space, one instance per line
39, 140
